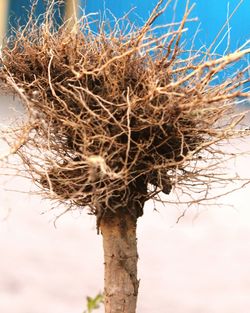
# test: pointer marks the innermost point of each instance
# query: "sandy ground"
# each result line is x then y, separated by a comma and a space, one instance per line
198, 265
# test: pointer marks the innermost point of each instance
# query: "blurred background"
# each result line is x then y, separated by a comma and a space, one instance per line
200, 264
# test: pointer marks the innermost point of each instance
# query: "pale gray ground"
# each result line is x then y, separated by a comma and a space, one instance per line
200, 265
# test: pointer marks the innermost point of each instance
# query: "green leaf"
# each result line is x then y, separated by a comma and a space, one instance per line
94, 303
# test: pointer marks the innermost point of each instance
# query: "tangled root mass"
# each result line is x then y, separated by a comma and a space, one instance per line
114, 118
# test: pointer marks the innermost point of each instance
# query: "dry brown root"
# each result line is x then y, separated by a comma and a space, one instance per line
116, 117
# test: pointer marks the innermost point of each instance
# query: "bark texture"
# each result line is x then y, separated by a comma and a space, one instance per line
120, 257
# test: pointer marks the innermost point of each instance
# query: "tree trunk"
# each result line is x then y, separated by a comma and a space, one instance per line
120, 257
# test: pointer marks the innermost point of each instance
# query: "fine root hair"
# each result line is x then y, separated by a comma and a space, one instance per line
115, 117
